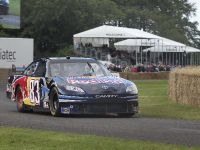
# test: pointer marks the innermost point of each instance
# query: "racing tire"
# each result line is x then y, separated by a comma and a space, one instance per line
21, 107
54, 103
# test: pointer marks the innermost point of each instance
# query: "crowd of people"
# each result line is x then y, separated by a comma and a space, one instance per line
141, 68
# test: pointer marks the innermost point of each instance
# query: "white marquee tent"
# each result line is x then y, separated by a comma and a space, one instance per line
101, 35
155, 45
130, 40
165, 48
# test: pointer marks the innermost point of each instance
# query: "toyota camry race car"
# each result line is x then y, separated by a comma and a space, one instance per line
72, 86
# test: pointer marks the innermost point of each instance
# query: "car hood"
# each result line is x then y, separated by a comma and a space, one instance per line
94, 85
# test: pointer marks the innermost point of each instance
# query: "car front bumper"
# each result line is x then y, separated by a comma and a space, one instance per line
92, 105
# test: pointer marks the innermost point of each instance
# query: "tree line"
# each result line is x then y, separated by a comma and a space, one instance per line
53, 23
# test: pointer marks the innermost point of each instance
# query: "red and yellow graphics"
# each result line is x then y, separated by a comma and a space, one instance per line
30, 90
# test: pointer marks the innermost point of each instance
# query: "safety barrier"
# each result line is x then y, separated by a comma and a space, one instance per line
145, 76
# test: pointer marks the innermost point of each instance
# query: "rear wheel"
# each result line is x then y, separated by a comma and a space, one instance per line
54, 103
19, 99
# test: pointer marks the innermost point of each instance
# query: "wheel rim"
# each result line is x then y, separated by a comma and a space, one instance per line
55, 102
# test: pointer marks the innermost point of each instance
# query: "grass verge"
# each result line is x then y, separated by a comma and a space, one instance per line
27, 139
154, 102
14, 8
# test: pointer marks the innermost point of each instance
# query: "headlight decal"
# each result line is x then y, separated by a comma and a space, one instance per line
74, 89
132, 89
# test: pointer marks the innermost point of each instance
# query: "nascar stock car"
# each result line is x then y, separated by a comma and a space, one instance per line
72, 85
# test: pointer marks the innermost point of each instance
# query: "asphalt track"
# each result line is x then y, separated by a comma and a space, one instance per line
138, 128
10, 20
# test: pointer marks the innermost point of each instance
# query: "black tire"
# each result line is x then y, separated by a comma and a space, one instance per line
128, 115
54, 103
19, 99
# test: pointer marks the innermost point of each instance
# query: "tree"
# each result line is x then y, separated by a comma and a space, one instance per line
53, 23
169, 18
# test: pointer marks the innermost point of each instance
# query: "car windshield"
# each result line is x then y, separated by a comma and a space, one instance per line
77, 69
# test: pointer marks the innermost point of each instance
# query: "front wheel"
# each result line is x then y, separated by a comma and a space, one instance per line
54, 103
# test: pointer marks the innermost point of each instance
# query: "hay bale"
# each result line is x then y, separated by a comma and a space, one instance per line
184, 86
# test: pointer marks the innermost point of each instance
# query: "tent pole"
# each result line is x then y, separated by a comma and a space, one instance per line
149, 57
158, 57
196, 58
141, 54
162, 54
136, 57
186, 56
192, 58
179, 57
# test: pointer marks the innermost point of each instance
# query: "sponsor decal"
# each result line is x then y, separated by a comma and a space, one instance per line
7, 55
93, 81
105, 87
45, 104
34, 92
106, 96
65, 110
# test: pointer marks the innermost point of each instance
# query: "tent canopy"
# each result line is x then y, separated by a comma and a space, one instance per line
166, 48
148, 42
106, 31
134, 40
135, 44
102, 34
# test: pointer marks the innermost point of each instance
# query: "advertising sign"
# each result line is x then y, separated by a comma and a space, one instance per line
15, 51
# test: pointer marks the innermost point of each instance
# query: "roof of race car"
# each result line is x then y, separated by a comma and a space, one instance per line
74, 59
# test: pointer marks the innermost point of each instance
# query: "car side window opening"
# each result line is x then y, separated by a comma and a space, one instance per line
31, 69
41, 69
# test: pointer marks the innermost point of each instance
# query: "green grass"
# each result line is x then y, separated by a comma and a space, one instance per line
154, 102
14, 8
27, 139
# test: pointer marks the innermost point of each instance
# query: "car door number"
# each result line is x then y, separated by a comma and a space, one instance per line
35, 92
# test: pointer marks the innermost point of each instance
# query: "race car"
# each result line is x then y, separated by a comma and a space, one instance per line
4, 7
72, 85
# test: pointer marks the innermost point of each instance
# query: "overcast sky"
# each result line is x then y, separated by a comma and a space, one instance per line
197, 5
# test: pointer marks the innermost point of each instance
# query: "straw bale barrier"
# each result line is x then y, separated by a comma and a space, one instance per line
184, 86
145, 75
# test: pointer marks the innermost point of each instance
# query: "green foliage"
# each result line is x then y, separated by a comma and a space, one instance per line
67, 51
53, 23
14, 8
